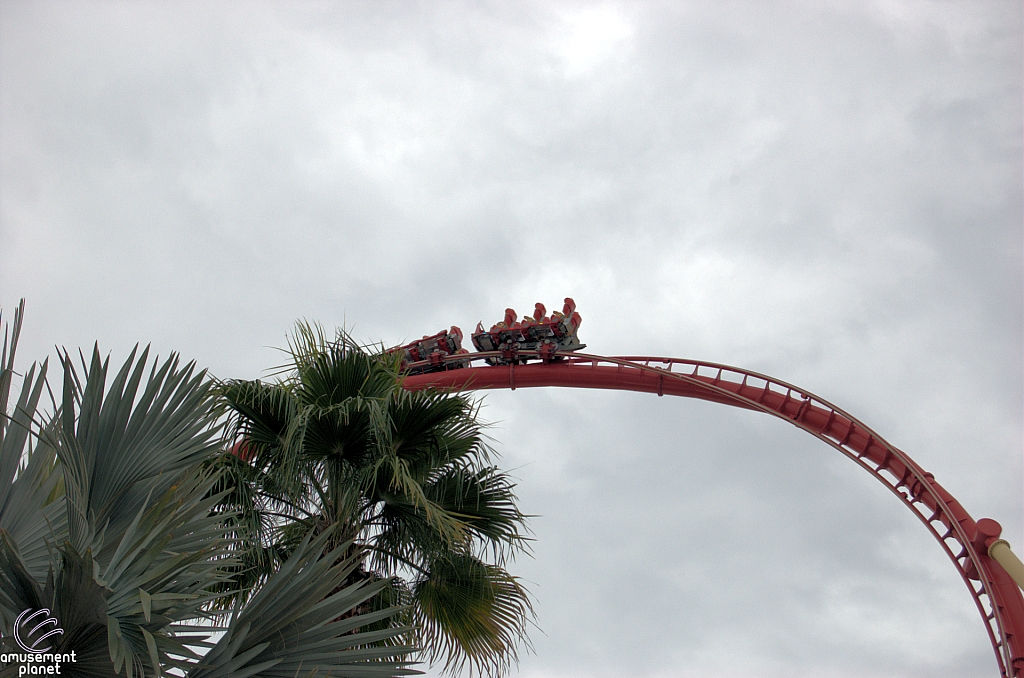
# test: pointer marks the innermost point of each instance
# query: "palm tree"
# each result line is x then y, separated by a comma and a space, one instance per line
109, 523
336, 442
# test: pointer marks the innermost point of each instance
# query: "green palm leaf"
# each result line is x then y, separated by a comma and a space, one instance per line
124, 446
471, 613
27, 479
143, 547
298, 624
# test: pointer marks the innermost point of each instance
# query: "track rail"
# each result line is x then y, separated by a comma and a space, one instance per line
963, 539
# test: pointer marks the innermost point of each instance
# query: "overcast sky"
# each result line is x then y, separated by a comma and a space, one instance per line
827, 192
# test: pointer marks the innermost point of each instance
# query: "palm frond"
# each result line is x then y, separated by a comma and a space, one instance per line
124, 446
299, 622
486, 502
266, 417
471, 614
19, 590
28, 473
249, 523
165, 568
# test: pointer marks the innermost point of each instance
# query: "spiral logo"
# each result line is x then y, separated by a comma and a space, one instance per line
29, 630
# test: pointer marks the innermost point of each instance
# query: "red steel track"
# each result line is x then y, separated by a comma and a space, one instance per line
964, 540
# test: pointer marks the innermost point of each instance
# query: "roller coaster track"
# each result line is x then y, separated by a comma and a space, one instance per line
964, 540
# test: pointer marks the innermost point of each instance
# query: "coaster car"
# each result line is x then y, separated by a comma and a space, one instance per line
431, 351
539, 332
